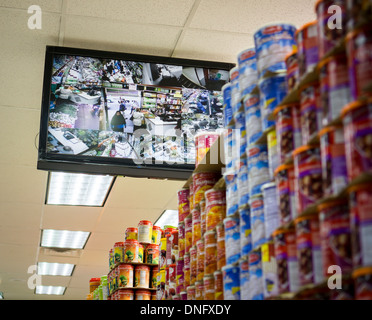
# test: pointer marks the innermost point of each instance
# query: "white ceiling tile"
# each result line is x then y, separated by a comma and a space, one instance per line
13, 185
21, 129
164, 12
76, 218
22, 58
247, 16
99, 34
45, 5
212, 45
19, 215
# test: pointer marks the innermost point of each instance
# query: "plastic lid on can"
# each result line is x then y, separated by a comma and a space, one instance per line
354, 105
326, 130
95, 280
132, 229
306, 217
331, 203
282, 107
156, 228
360, 186
283, 167
303, 148
362, 272
305, 26
290, 54
119, 244
281, 231
145, 222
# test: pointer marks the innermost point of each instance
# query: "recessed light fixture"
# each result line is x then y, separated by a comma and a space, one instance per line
168, 217
78, 189
55, 269
64, 239
56, 290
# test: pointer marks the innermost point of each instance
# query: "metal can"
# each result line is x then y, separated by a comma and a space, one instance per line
131, 248
253, 123
141, 276
244, 278
152, 254
235, 90
203, 215
360, 204
311, 113
333, 159
272, 152
227, 109
308, 176
273, 42
143, 295
269, 270
307, 46
144, 231
163, 253
125, 276
309, 250
271, 209
215, 207
210, 247
131, 233
200, 257
232, 239
196, 225
284, 179
245, 230
180, 277
208, 289
292, 77
255, 276
258, 168
257, 221
190, 290
273, 90
199, 288
118, 252
188, 232
221, 248
203, 181
286, 259
231, 282
183, 204
327, 37
335, 235
288, 130
193, 265
154, 277
247, 71
125, 294
232, 195
357, 120
334, 87
218, 285
181, 240
363, 283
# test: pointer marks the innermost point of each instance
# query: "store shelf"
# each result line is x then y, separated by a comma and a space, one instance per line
135, 264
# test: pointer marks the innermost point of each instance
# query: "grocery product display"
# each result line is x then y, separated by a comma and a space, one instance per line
292, 198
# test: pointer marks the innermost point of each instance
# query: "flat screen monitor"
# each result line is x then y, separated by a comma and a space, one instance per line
126, 114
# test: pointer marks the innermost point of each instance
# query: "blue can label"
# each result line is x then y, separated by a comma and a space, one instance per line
231, 282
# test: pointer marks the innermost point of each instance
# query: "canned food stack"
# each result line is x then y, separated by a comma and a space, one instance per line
134, 264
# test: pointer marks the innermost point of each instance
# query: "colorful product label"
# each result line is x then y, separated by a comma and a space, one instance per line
231, 282
232, 239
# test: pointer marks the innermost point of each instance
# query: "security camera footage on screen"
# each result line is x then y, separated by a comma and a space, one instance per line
132, 110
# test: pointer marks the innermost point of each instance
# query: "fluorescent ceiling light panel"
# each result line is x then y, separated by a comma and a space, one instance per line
50, 290
64, 239
78, 189
168, 217
55, 269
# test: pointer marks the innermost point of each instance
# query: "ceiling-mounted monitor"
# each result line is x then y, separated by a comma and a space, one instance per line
126, 114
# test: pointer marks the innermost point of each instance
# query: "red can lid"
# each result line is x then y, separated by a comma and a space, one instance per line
95, 280
157, 228
119, 244
145, 222
132, 229
131, 241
